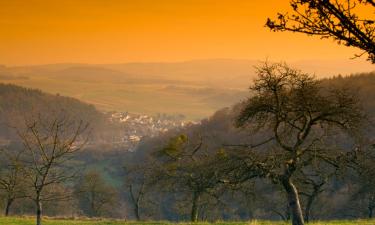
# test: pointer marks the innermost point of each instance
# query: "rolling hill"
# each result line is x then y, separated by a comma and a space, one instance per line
195, 89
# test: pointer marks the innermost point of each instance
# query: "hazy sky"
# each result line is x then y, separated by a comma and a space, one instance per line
116, 31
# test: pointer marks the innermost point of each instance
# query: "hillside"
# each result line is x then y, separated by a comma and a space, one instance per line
220, 124
219, 128
17, 103
146, 133
114, 130
218, 132
195, 89
363, 84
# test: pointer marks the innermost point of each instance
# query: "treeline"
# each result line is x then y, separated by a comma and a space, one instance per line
18, 103
231, 166
363, 84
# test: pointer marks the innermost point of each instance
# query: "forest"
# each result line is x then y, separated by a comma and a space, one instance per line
160, 180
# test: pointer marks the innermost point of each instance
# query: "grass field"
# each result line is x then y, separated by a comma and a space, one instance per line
31, 221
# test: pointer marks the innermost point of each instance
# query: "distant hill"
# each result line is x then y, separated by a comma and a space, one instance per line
109, 131
363, 84
194, 88
17, 103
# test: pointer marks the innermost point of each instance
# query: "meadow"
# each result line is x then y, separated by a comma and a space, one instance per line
51, 221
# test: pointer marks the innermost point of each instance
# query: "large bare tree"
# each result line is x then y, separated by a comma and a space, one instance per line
296, 117
50, 144
349, 22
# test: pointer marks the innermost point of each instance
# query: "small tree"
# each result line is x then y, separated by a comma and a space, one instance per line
364, 167
50, 145
312, 186
12, 180
95, 196
340, 20
296, 116
138, 181
187, 167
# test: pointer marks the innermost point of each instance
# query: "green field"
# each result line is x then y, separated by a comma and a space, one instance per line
31, 221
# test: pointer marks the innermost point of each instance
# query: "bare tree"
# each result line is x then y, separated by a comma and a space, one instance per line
295, 115
365, 178
95, 196
188, 167
136, 198
50, 145
312, 186
12, 180
344, 21
138, 180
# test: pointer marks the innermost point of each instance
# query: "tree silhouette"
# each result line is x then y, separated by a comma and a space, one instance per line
297, 118
340, 20
49, 146
12, 178
95, 196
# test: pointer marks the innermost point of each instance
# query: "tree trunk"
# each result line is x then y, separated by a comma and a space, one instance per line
38, 212
136, 212
194, 208
317, 189
94, 212
287, 212
136, 200
293, 201
7, 207
371, 206
308, 207
370, 212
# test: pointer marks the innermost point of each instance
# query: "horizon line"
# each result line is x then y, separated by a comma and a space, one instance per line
183, 61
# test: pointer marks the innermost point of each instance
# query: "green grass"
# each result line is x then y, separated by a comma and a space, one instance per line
49, 221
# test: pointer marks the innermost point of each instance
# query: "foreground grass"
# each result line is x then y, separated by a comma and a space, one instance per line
48, 221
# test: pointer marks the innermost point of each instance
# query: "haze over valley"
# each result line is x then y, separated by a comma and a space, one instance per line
195, 89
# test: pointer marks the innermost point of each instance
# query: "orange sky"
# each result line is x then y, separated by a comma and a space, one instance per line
116, 31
